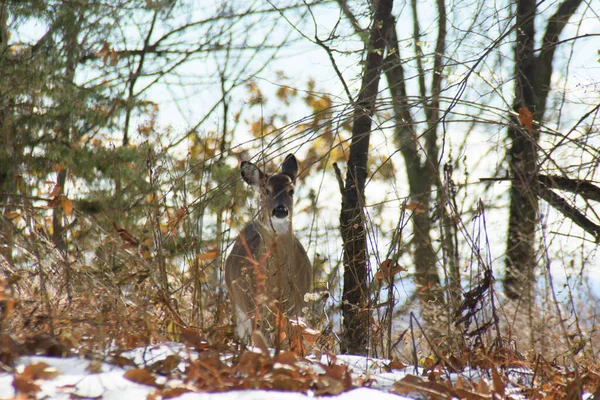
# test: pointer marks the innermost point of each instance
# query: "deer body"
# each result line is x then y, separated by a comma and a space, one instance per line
268, 270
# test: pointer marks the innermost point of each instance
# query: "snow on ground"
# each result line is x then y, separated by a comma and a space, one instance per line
73, 377
78, 377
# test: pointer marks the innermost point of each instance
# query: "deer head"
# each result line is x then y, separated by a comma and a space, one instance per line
276, 193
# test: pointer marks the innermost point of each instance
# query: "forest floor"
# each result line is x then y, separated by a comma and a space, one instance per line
175, 370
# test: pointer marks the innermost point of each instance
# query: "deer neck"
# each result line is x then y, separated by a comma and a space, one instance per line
281, 227
279, 243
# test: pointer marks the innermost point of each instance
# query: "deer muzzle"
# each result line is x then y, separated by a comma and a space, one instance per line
280, 211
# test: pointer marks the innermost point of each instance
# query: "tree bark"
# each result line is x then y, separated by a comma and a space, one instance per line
520, 255
71, 22
421, 174
8, 160
355, 307
533, 74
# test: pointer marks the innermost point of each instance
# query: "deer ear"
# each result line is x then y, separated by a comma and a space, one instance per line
251, 174
290, 166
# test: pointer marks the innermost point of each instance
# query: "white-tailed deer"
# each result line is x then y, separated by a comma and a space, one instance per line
268, 272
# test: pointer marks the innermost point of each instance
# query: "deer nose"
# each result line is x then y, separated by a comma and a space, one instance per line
280, 212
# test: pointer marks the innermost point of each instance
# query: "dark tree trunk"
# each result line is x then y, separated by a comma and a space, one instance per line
355, 308
8, 160
70, 31
422, 175
533, 74
520, 257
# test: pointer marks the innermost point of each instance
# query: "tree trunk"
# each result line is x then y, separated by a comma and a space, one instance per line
533, 74
421, 174
8, 160
520, 255
355, 307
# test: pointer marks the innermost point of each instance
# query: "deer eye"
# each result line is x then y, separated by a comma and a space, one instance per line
291, 192
268, 191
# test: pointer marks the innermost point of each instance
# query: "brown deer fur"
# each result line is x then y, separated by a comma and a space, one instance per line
268, 270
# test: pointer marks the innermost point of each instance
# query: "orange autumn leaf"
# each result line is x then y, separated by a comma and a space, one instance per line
13, 215
39, 370
310, 336
281, 323
483, 387
55, 201
499, 386
209, 255
127, 237
67, 205
175, 220
417, 207
56, 190
172, 392
25, 386
141, 376
194, 337
396, 364
9, 304
103, 53
526, 118
286, 357
302, 337
296, 344
387, 271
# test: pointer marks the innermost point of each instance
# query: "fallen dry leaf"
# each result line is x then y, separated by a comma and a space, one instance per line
250, 363
194, 337
260, 341
25, 386
141, 376
395, 364
286, 357
483, 387
39, 370
327, 385
499, 385
415, 384
166, 366
169, 393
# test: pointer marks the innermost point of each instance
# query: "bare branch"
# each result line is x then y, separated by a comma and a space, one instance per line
543, 61
569, 211
583, 188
